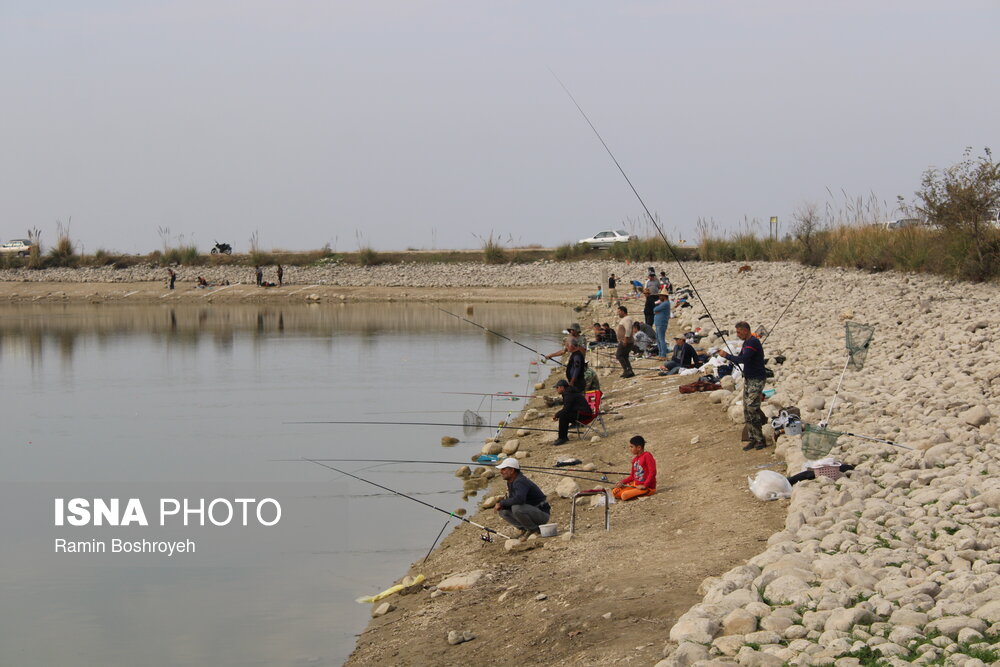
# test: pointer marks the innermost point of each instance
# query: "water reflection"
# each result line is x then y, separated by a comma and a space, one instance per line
27, 330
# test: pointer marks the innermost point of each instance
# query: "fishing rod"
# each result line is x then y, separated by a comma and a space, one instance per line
372, 423
789, 304
497, 334
656, 225
485, 537
499, 394
487, 464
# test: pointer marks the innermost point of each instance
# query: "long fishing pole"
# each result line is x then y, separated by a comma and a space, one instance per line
656, 225
459, 463
496, 334
499, 394
789, 304
372, 423
433, 507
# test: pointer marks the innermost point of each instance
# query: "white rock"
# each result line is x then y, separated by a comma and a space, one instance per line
382, 609
694, 629
976, 416
739, 622
510, 447
460, 582
567, 487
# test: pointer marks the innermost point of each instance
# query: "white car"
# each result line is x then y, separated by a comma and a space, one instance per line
608, 238
19, 247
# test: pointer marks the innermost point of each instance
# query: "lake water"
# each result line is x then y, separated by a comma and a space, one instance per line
196, 402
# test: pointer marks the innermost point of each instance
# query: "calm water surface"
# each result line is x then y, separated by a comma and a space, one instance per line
155, 402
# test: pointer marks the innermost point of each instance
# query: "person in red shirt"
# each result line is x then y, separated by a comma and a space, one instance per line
642, 481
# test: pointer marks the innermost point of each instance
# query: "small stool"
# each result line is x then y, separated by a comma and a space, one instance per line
591, 492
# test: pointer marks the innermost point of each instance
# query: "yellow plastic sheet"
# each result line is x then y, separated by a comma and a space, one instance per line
392, 590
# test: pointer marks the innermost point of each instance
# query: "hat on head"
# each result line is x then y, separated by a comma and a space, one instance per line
680, 337
509, 463
562, 383
663, 295
574, 327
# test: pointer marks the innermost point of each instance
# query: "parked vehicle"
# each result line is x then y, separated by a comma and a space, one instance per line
223, 248
903, 222
19, 247
608, 238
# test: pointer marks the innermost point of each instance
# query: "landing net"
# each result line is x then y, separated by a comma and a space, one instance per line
857, 337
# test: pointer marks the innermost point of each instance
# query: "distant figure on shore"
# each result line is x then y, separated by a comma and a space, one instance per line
525, 506
202, 282
612, 288
281, 275
665, 285
624, 334
172, 277
259, 272
661, 319
751, 359
642, 481
652, 289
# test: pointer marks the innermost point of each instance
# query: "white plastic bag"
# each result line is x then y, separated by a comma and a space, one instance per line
770, 485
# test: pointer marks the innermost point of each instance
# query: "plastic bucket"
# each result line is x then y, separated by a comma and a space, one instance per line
548, 529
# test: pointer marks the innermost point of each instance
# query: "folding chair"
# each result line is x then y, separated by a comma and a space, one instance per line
589, 425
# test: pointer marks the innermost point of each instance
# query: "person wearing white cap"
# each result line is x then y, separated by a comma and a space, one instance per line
525, 506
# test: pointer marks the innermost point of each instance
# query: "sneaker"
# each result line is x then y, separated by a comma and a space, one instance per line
762, 445
629, 374
560, 441
747, 447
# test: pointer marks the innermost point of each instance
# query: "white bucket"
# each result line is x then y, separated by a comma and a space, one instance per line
548, 529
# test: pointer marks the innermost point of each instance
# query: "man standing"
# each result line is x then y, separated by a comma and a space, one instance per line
661, 318
751, 359
652, 289
173, 277
259, 272
612, 288
624, 341
525, 506
575, 408
281, 275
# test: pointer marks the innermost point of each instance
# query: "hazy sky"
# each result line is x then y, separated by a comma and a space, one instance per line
420, 123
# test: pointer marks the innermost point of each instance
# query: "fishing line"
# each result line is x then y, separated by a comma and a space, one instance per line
496, 334
560, 471
789, 304
373, 423
417, 500
646, 208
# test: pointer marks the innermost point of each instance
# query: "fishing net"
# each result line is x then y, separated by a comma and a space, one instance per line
817, 441
858, 337
471, 422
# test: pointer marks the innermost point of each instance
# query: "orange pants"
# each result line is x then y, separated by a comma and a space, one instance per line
630, 492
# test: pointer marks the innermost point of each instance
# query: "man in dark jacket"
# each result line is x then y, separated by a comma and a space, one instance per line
683, 356
751, 361
525, 506
575, 408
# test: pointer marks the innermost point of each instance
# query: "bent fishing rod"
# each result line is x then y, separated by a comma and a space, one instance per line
656, 225
563, 471
497, 334
486, 538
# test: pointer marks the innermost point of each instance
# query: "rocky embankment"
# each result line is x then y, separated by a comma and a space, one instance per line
470, 274
899, 563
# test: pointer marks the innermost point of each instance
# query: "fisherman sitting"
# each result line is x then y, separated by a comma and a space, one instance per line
642, 481
683, 356
525, 506
644, 344
575, 408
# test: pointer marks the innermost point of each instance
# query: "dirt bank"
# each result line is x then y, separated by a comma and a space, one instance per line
602, 597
